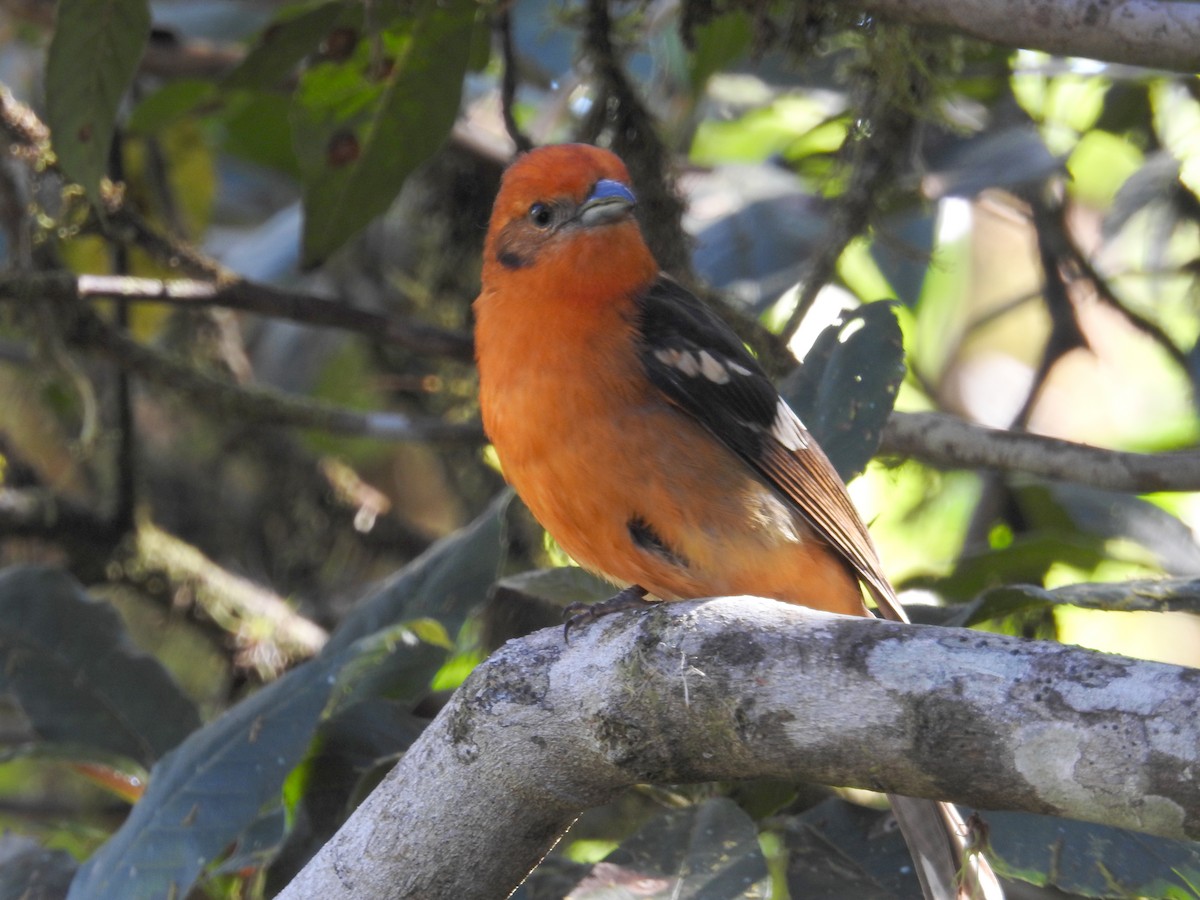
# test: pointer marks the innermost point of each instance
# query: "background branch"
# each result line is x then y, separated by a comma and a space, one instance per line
739, 688
1159, 34
948, 442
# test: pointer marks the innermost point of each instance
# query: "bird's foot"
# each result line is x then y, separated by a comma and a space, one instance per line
632, 597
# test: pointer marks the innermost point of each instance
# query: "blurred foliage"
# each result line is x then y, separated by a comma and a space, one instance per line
1035, 220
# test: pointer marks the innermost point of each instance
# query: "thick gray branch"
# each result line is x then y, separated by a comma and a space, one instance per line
740, 688
947, 442
1160, 34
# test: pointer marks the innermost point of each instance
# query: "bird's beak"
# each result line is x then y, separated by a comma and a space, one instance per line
610, 201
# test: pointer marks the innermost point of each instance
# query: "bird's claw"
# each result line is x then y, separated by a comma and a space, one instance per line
632, 597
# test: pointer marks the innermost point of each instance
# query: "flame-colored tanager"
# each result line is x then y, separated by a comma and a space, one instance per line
645, 437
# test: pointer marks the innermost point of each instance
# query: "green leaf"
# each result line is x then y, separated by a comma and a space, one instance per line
258, 129
846, 388
92, 59
443, 583
716, 44
207, 791
284, 43
397, 662
168, 105
840, 849
29, 871
68, 662
560, 586
710, 850
1090, 860
360, 127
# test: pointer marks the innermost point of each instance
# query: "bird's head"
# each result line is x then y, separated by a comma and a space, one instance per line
566, 212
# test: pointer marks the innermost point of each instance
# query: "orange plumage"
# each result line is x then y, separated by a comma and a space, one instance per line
590, 443
639, 430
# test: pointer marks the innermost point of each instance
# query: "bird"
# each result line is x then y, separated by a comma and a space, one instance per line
645, 437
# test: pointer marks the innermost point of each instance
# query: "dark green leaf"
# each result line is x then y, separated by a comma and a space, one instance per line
1009, 157
840, 849
904, 253
846, 388
29, 871
443, 583
68, 662
716, 44
708, 851
257, 129
1092, 860
1105, 515
1025, 560
350, 748
284, 43
526, 602
398, 662
258, 844
360, 127
169, 104
91, 61
204, 793
560, 586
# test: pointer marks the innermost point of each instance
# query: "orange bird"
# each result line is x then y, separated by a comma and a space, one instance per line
648, 441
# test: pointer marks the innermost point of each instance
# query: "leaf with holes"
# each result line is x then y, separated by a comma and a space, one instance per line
361, 125
93, 55
846, 388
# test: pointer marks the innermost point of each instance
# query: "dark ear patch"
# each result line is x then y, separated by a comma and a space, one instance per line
510, 259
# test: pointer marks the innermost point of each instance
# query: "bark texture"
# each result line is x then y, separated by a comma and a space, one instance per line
738, 688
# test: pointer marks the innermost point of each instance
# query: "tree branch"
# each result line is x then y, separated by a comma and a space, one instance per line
231, 292
262, 405
1159, 34
947, 442
739, 688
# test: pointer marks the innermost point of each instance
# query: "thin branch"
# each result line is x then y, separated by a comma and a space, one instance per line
259, 404
636, 140
508, 79
887, 105
267, 634
240, 294
1158, 34
124, 224
737, 688
950, 443
1151, 595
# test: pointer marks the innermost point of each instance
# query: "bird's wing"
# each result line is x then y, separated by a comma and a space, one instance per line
702, 367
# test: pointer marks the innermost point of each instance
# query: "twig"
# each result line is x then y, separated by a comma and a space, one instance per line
1159, 595
267, 633
888, 106
30, 138
508, 79
947, 442
1107, 296
125, 460
262, 405
636, 140
240, 294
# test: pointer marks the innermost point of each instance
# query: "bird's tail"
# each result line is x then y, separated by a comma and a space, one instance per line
949, 866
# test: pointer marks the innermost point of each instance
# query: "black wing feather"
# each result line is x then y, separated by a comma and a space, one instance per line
735, 400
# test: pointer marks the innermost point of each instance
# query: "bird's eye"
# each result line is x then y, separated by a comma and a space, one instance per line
541, 215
